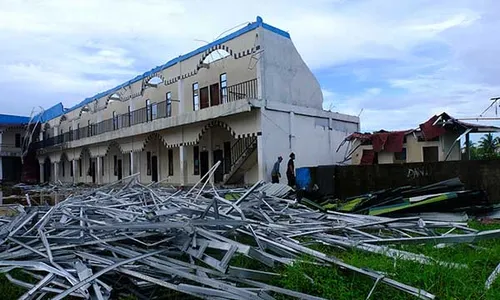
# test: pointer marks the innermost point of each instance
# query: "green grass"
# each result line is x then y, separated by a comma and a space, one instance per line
334, 283
444, 282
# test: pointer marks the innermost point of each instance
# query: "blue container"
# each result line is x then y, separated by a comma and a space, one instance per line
303, 178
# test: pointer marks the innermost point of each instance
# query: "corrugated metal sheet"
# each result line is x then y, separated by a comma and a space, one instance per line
275, 189
13, 120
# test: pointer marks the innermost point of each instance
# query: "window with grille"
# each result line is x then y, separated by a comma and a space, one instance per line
196, 97
223, 87
169, 104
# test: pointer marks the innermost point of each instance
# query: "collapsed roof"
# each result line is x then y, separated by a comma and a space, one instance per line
392, 141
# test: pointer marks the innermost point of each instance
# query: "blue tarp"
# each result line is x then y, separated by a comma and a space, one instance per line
50, 113
13, 120
303, 178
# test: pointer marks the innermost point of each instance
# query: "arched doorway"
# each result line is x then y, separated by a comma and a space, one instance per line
87, 167
65, 169
114, 164
47, 170
216, 144
157, 160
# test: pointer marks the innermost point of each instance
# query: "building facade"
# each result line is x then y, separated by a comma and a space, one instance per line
243, 100
12, 130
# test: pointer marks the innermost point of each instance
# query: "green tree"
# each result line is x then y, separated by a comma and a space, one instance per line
474, 153
487, 146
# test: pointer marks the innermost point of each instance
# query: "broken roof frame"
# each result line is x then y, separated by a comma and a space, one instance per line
160, 236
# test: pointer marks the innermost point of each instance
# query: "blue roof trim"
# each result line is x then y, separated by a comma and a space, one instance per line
51, 113
13, 120
251, 26
276, 30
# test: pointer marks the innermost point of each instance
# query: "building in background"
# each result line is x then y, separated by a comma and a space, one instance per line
243, 100
438, 139
12, 131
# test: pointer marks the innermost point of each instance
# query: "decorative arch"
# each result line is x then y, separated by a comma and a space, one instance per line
208, 52
84, 109
85, 150
63, 156
215, 123
215, 56
151, 137
62, 119
113, 97
113, 144
153, 80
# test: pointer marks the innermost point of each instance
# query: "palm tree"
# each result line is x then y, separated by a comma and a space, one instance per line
473, 153
488, 145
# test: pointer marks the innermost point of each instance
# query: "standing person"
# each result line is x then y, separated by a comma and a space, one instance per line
290, 170
275, 174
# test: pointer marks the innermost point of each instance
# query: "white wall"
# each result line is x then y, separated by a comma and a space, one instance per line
312, 144
285, 76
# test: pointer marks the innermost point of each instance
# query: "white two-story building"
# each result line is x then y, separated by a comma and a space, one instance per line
244, 100
12, 129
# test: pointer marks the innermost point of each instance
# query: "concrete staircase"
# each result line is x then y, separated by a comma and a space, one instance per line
243, 158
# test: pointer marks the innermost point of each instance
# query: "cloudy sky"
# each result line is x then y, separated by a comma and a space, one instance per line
398, 61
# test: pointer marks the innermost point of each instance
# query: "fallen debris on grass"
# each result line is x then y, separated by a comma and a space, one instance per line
448, 196
187, 241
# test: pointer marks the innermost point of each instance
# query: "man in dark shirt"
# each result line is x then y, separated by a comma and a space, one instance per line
290, 170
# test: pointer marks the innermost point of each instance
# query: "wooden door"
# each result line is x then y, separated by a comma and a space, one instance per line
203, 163
214, 94
154, 168
204, 100
120, 170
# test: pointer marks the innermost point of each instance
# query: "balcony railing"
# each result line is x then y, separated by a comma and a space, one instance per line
10, 150
244, 90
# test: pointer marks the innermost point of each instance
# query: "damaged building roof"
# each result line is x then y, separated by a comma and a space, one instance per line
249, 27
432, 128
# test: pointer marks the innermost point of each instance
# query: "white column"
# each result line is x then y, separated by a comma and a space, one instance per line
56, 173
75, 171
139, 166
158, 160
132, 166
211, 161
261, 161
98, 170
182, 149
183, 163
42, 179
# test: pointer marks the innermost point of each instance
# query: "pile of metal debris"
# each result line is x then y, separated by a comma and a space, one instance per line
186, 241
449, 196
